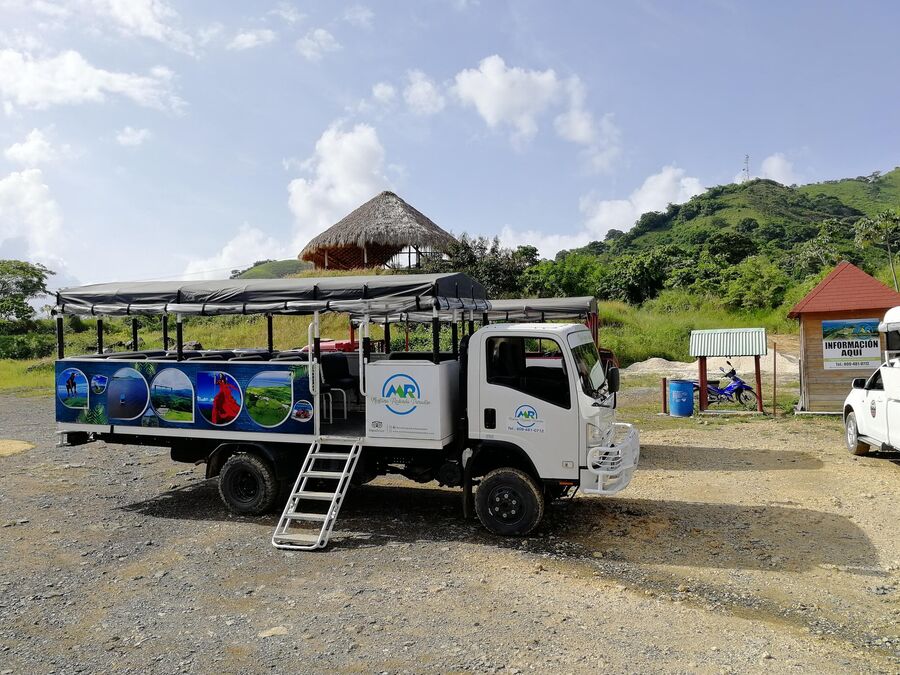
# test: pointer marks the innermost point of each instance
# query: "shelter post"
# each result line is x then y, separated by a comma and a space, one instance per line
703, 383
134, 335
774, 379
165, 331
759, 401
60, 340
270, 337
99, 336
179, 337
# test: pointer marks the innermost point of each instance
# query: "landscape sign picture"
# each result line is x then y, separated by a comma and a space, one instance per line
851, 344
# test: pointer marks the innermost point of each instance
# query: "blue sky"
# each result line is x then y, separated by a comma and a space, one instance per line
144, 139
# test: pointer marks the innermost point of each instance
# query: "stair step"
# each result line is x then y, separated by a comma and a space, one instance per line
297, 538
309, 494
322, 474
299, 515
330, 455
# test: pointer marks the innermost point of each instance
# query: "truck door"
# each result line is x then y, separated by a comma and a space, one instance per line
874, 414
530, 403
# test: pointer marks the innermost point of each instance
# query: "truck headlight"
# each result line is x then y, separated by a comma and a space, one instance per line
595, 435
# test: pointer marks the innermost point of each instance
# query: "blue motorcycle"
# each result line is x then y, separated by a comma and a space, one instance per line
736, 391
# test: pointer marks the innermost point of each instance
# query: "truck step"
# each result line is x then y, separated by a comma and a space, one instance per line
323, 496
296, 538
331, 455
322, 474
298, 515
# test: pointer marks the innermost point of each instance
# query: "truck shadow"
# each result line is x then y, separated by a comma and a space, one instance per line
635, 531
684, 458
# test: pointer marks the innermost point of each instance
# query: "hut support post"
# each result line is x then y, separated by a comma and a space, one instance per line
99, 336
165, 331
60, 341
435, 336
387, 336
759, 401
179, 337
134, 335
454, 336
270, 336
704, 400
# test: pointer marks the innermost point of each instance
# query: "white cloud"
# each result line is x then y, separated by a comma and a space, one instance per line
384, 92
251, 38
69, 79
316, 43
601, 140
210, 33
359, 15
152, 19
29, 216
775, 167
129, 136
346, 169
504, 96
247, 246
669, 186
36, 149
287, 12
422, 95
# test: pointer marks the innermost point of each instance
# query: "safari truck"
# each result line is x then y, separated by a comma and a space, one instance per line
519, 413
872, 408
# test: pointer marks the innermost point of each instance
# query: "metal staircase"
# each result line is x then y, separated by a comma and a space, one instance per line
300, 505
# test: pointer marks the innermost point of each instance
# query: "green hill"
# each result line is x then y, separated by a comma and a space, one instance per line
869, 194
274, 269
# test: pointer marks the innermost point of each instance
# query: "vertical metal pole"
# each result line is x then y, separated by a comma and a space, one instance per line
407, 334
759, 403
774, 379
387, 336
60, 340
165, 331
665, 398
454, 336
704, 398
99, 336
134, 335
270, 337
471, 322
314, 375
179, 337
435, 336
484, 320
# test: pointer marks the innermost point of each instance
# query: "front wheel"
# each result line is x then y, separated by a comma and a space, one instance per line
854, 445
748, 399
509, 502
247, 485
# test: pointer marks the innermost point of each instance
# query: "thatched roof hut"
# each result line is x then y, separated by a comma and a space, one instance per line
376, 232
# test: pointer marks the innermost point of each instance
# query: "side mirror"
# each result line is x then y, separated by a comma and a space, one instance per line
859, 383
612, 380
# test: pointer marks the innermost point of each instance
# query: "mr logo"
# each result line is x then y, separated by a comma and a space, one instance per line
402, 393
526, 416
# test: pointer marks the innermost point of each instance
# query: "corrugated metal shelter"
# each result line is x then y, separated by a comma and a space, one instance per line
728, 342
839, 338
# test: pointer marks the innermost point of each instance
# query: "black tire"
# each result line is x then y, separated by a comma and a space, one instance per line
247, 485
748, 399
508, 502
854, 445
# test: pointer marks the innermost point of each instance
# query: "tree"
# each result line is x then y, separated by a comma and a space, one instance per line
499, 269
882, 230
20, 282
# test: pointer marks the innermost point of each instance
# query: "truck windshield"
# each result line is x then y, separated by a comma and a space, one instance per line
587, 362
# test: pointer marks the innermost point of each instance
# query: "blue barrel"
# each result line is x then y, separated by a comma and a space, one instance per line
681, 398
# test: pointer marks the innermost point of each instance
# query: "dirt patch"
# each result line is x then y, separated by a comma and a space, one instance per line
11, 447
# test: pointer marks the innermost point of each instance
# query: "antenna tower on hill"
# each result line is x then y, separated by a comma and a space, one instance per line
745, 173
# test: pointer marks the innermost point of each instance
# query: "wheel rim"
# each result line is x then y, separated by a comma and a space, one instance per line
851, 432
244, 486
747, 399
506, 505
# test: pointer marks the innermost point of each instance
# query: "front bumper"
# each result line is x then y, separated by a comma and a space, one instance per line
610, 467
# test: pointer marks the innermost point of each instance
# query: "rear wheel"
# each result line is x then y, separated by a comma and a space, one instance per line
748, 399
247, 485
854, 445
509, 502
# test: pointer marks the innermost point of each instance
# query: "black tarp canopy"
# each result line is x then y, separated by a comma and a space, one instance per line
385, 294
518, 309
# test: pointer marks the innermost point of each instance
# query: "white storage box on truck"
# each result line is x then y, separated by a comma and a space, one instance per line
522, 413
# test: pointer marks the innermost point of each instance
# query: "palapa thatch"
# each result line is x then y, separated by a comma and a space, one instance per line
374, 233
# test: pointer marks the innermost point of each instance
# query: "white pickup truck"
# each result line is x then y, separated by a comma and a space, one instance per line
872, 408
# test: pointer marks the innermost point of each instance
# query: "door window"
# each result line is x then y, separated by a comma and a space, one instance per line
507, 367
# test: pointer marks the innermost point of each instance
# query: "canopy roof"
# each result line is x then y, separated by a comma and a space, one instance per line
375, 295
518, 309
729, 342
846, 288
373, 233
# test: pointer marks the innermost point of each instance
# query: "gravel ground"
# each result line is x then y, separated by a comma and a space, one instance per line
752, 546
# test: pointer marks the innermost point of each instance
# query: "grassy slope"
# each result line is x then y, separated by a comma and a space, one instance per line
277, 269
861, 194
